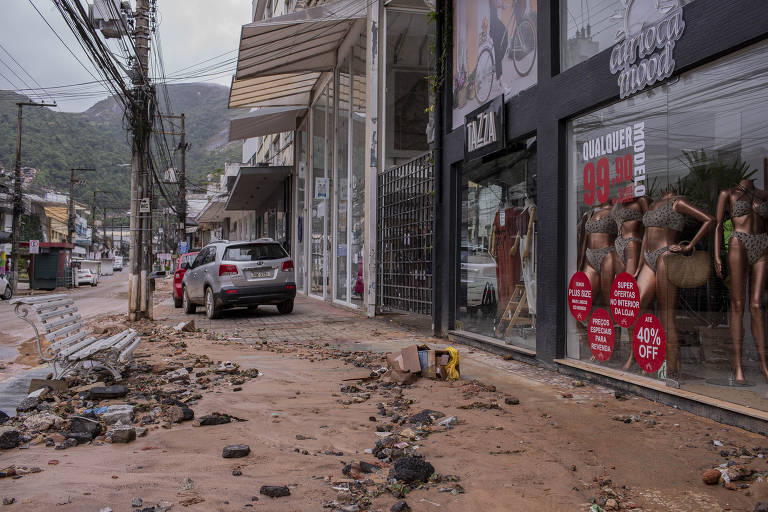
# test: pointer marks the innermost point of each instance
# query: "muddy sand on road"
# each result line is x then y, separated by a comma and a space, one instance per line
563, 446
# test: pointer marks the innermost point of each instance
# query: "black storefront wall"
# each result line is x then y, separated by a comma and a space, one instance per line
714, 28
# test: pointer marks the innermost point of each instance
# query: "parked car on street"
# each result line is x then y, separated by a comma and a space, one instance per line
118, 263
184, 262
6, 292
85, 276
229, 274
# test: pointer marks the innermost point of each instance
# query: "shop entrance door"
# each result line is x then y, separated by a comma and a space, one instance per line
405, 220
320, 198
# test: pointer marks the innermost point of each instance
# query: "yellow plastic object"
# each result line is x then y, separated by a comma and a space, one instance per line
450, 368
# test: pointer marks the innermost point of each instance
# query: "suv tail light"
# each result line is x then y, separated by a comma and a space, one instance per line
287, 265
227, 270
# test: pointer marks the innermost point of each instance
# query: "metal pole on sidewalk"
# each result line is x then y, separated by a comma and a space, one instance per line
18, 203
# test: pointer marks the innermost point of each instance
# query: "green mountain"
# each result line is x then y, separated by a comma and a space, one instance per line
53, 142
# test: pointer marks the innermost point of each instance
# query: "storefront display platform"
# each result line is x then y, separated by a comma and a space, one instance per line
492, 345
715, 409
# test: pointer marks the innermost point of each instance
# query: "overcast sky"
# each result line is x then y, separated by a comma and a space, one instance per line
191, 31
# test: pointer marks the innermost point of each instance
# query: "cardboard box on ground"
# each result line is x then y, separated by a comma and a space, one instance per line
419, 360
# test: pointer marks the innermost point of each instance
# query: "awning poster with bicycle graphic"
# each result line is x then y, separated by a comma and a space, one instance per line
494, 51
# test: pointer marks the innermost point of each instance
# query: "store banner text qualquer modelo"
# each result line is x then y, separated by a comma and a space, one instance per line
624, 150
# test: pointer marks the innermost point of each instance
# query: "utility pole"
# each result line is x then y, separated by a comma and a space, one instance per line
181, 207
139, 296
18, 204
71, 216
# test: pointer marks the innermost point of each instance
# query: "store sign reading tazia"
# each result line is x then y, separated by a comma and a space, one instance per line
484, 129
651, 28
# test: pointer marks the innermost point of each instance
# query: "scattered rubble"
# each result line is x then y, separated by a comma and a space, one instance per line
235, 451
275, 491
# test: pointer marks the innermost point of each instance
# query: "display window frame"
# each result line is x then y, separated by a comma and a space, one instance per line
666, 120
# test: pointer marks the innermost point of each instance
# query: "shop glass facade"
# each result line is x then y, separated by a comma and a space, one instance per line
408, 64
588, 27
321, 197
496, 289
679, 170
301, 208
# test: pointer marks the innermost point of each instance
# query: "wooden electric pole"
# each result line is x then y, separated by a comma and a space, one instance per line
18, 204
139, 294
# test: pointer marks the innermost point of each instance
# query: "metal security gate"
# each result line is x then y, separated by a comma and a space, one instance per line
405, 223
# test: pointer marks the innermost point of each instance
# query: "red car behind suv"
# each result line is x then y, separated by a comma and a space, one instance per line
184, 262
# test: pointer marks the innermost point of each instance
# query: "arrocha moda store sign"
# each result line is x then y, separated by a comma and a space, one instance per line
643, 54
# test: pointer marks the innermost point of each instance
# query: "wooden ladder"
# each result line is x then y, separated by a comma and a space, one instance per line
518, 303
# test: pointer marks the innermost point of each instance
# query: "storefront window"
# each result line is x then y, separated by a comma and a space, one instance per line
668, 232
588, 27
494, 52
497, 279
322, 158
357, 171
342, 179
301, 184
407, 98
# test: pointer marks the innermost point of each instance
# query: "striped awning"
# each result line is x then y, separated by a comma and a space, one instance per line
281, 59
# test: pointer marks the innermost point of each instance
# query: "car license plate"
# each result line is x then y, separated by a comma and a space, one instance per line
256, 274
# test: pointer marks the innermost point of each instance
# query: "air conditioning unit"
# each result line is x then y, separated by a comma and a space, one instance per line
111, 17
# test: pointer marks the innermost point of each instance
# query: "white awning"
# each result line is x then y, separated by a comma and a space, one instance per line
281, 59
302, 41
265, 121
276, 90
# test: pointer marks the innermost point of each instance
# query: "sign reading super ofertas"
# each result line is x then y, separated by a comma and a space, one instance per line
642, 55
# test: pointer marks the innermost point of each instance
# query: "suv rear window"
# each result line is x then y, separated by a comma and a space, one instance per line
254, 252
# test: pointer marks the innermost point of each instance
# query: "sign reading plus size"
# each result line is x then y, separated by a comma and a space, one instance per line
643, 52
484, 130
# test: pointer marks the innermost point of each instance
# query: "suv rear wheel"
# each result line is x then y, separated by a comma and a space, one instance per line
285, 307
211, 310
189, 308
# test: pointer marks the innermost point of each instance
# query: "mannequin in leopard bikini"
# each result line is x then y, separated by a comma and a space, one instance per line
747, 265
597, 257
663, 222
629, 221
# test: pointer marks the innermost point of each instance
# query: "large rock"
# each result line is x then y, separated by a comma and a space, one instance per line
122, 434
400, 506
118, 414
3, 417
80, 437
85, 424
212, 419
28, 404
235, 451
42, 421
104, 392
177, 375
9, 438
411, 470
427, 416
275, 491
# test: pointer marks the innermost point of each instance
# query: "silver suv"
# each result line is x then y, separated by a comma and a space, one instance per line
230, 274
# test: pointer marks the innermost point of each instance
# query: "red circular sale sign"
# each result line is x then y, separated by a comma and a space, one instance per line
580, 296
625, 299
649, 343
601, 337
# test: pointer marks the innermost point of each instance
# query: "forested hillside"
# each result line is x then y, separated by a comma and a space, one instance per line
53, 142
